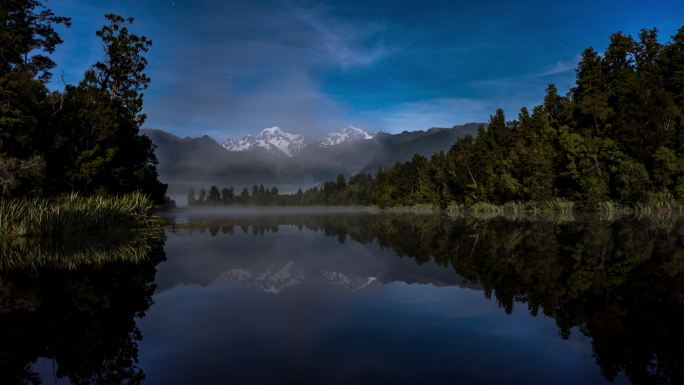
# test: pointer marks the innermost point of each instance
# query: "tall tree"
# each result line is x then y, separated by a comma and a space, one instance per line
122, 74
28, 37
97, 146
591, 93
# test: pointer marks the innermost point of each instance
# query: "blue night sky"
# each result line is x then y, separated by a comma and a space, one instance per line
229, 68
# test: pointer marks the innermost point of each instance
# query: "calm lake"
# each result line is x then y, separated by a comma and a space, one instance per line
349, 298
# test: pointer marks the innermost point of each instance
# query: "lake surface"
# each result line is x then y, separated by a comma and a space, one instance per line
349, 298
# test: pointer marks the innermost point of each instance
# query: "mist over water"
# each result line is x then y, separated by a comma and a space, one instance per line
178, 190
216, 213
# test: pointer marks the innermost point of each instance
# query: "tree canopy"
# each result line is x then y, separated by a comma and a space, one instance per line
85, 138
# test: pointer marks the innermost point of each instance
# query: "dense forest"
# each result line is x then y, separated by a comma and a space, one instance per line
617, 135
84, 138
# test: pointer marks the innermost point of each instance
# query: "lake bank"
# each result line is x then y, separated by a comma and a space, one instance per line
658, 207
76, 215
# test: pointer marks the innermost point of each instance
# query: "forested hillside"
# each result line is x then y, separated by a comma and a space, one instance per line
617, 135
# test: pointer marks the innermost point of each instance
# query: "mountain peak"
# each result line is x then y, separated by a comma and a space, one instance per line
276, 141
347, 134
275, 130
273, 140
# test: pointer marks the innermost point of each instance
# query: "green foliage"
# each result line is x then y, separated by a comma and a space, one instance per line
75, 215
122, 74
617, 136
85, 138
27, 36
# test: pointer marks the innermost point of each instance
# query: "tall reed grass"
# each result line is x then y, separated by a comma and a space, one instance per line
75, 214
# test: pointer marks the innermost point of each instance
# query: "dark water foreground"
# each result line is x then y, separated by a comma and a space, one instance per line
348, 298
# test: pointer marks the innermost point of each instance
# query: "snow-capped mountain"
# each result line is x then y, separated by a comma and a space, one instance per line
347, 134
288, 161
277, 141
273, 140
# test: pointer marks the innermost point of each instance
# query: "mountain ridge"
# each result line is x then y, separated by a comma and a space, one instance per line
201, 162
279, 142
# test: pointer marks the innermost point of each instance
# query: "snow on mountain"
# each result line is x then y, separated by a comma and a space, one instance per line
277, 141
347, 134
273, 140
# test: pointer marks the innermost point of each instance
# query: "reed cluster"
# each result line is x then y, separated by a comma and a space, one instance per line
75, 214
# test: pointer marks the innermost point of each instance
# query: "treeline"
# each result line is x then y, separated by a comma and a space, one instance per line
617, 135
84, 138
357, 191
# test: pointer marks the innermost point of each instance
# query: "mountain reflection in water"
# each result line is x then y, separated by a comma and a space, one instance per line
358, 298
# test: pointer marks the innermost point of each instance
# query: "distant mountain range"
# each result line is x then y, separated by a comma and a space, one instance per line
289, 161
272, 140
278, 142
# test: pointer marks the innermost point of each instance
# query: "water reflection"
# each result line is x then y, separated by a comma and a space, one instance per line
357, 298
618, 283
68, 308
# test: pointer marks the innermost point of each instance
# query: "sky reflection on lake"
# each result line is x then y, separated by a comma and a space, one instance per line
295, 306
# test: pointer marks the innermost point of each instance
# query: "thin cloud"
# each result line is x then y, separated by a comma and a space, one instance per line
349, 45
439, 112
561, 67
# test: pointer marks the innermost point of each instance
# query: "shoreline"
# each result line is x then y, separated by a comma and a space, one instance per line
556, 211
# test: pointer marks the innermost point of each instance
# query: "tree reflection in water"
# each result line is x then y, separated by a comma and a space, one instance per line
621, 283
75, 306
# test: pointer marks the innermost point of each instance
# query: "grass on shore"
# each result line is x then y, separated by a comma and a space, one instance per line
75, 214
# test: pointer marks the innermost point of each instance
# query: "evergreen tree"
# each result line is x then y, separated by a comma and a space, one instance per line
214, 196
592, 89
227, 196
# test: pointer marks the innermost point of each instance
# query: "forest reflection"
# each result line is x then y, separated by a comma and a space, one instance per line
70, 305
621, 283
